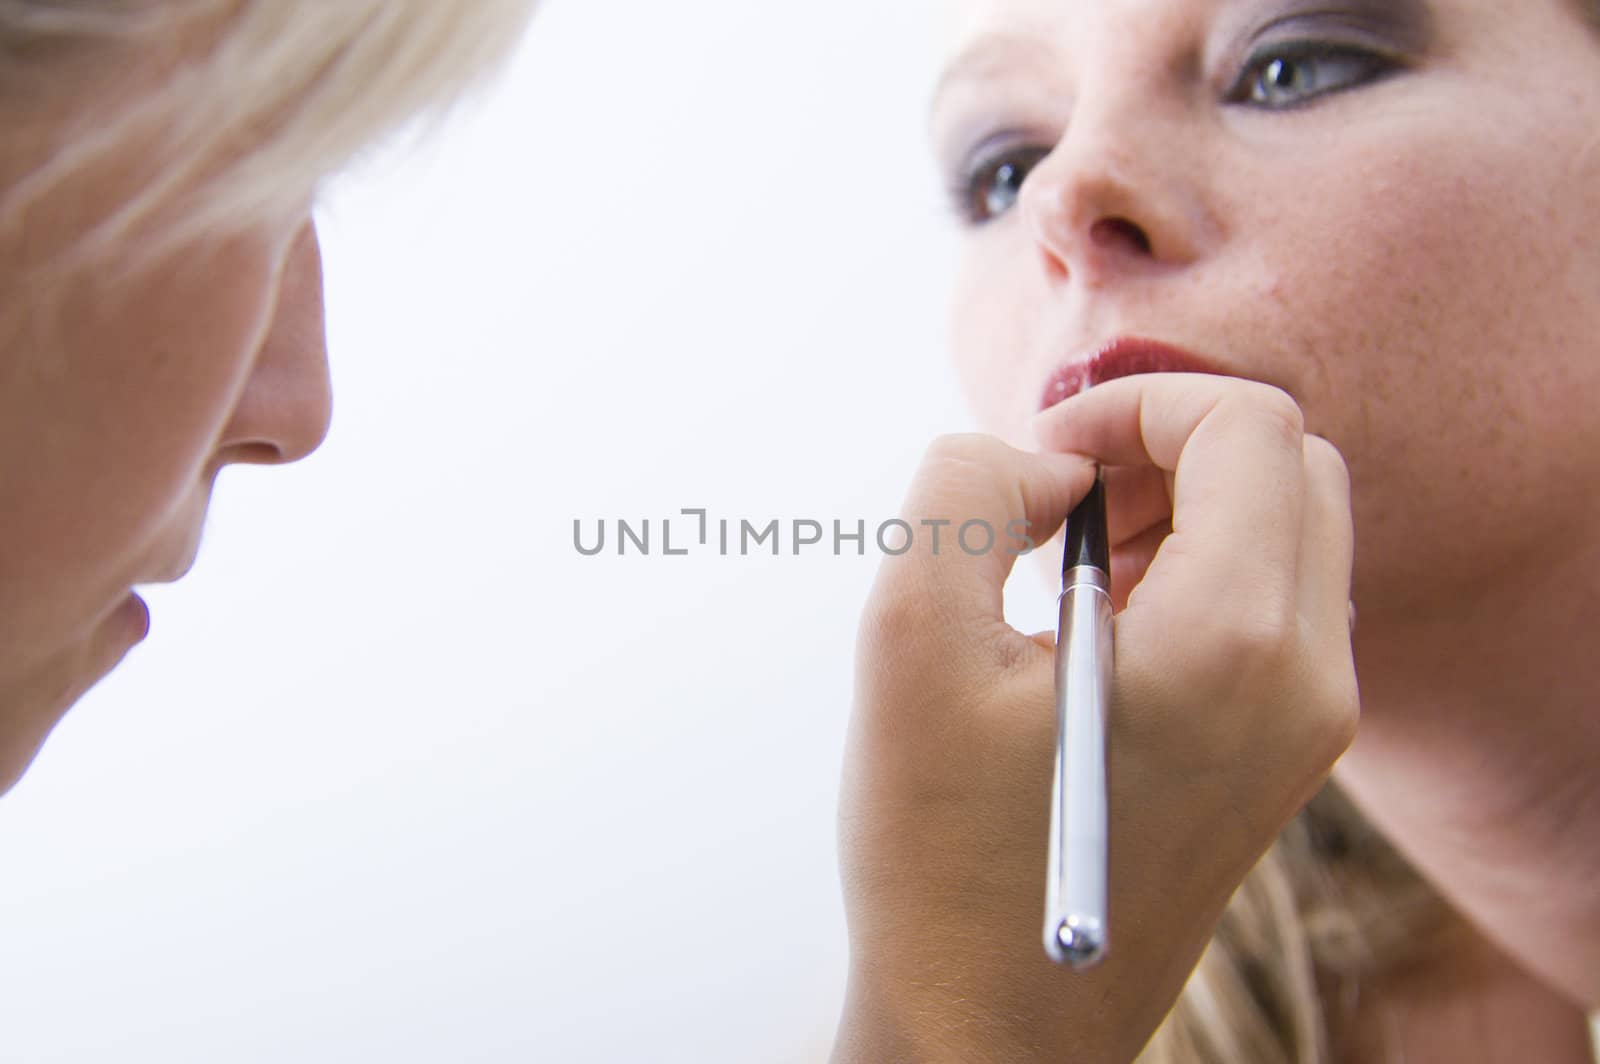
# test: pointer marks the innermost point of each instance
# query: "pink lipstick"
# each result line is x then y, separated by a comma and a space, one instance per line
1122, 357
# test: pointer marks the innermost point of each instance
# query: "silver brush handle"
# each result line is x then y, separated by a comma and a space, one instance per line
1075, 932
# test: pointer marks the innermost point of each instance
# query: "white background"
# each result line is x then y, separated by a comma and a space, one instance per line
399, 776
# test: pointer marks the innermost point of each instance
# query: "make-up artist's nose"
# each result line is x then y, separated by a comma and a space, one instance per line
283, 413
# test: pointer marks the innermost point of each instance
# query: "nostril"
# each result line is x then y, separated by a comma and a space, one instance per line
255, 452
1110, 231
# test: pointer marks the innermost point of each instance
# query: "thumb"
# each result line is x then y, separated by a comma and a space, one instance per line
975, 506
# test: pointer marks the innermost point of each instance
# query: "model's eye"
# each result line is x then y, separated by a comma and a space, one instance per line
1287, 75
991, 185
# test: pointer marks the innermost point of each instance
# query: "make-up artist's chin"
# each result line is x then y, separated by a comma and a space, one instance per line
32, 705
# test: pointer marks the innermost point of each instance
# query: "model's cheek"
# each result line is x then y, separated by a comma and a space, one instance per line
995, 341
1459, 372
966, 331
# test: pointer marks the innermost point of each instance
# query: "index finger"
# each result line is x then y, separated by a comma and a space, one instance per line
1236, 451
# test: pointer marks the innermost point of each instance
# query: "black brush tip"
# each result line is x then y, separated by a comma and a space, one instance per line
1087, 541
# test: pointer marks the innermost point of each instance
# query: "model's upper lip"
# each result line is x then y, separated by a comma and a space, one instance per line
1122, 357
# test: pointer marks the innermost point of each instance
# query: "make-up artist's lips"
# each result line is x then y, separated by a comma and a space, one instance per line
1121, 358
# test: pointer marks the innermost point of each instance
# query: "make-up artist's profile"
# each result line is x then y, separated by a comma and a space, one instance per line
161, 307
1309, 289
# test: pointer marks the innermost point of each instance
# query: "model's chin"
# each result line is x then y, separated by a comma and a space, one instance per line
34, 702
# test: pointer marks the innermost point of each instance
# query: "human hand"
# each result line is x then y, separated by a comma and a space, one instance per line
1234, 694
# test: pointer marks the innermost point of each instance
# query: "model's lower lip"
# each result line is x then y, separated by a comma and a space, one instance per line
1121, 358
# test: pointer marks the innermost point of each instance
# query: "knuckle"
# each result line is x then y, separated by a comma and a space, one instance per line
1336, 704
1279, 712
1277, 410
958, 475
1327, 462
1262, 634
963, 449
890, 620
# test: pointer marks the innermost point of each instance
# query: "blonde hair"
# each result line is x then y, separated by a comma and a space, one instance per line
1330, 908
240, 106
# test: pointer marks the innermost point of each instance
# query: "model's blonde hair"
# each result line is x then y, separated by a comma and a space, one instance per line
1329, 909
240, 106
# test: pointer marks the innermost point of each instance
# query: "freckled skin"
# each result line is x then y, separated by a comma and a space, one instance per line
1411, 279
1415, 261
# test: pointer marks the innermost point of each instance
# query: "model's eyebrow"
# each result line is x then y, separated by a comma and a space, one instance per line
1409, 24
984, 58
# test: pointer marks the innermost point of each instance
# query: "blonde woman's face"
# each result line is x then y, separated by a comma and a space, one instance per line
121, 397
1388, 208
